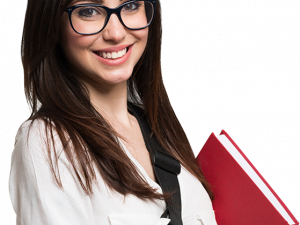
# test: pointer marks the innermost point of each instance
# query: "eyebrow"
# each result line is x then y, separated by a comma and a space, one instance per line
100, 2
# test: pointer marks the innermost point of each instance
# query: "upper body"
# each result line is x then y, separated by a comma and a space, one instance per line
84, 160
37, 199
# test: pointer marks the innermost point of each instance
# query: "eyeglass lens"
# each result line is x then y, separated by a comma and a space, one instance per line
91, 19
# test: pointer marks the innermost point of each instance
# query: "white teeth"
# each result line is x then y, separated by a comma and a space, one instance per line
113, 55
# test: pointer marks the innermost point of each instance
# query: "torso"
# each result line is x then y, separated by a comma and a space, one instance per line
135, 144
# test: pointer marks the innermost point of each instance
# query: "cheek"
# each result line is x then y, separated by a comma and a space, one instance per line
145, 36
142, 36
144, 39
70, 41
75, 46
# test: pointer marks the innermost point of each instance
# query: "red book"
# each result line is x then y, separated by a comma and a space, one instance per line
242, 195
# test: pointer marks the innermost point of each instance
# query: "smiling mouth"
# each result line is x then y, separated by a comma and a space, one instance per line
112, 55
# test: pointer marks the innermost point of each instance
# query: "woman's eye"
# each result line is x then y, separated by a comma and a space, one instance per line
131, 6
88, 12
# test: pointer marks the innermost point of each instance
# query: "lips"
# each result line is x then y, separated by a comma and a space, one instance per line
114, 62
112, 55
113, 49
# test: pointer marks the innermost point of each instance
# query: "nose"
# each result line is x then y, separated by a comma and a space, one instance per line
114, 30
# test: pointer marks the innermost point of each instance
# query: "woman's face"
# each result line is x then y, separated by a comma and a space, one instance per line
86, 53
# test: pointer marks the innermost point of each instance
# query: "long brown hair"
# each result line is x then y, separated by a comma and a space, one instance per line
61, 101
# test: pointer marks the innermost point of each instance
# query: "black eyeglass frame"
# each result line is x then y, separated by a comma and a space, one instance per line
109, 11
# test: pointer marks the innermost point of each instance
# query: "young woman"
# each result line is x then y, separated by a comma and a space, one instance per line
81, 158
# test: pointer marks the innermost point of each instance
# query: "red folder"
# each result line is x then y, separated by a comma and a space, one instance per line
242, 195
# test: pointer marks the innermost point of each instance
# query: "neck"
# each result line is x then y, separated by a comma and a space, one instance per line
111, 102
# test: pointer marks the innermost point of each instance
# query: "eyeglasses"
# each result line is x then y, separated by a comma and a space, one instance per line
88, 19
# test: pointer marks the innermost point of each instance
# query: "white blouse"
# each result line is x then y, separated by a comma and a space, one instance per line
37, 199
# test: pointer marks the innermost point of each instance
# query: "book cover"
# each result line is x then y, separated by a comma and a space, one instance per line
242, 195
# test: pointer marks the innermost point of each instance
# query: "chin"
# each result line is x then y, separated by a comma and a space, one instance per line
117, 76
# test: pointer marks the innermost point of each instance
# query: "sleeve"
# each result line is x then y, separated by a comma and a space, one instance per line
36, 197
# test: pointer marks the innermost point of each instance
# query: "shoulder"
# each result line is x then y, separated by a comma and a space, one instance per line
38, 154
33, 138
29, 132
31, 129
45, 190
